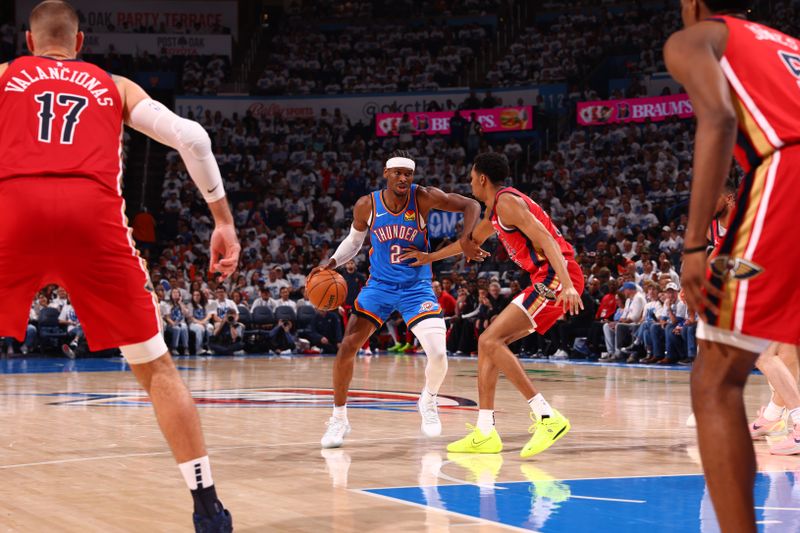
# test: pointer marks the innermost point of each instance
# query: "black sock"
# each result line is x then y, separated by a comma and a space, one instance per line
206, 502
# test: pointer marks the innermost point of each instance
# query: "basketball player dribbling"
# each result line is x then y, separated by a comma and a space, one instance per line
62, 220
535, 244
395, 219
744, 82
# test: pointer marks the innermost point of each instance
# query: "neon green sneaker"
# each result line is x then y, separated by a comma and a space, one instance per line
544, 485
477, 442
544, 433
403, 347
396, 348
481, 468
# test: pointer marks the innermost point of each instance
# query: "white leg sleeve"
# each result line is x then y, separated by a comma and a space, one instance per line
144, 352
432, 335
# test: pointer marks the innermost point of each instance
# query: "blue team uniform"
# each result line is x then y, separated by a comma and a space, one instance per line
394, 285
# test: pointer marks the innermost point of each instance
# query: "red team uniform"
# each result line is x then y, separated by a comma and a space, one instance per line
62, 216
756, 263
539, 299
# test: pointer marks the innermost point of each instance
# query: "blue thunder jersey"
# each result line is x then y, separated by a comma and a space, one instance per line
390, 233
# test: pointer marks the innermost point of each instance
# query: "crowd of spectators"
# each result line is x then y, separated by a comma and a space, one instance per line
355, 58
333, 9
617, 192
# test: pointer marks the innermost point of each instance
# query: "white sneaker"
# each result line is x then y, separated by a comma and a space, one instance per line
365, 352
431, 425
338, 429
691, 422
605, 356
560, 355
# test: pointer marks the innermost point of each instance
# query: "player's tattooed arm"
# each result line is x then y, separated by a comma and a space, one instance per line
433, 198
692, 56
482, 231
349, 247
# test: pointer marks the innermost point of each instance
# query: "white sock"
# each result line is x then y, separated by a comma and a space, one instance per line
197, 473
340, 411
539, 406
795, 414
485, 420
773, 412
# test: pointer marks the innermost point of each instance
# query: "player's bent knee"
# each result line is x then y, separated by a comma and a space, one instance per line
145, 352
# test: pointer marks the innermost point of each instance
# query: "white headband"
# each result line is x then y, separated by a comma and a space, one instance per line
401, 162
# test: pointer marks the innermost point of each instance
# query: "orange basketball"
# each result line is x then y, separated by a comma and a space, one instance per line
326, 290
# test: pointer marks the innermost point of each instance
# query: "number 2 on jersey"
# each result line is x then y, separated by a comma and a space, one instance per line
396, 251
75, 105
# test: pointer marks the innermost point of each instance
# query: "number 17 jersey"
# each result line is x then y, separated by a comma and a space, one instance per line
60, 118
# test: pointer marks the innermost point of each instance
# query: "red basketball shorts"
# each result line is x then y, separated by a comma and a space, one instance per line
756, 266
73, 232
539, 300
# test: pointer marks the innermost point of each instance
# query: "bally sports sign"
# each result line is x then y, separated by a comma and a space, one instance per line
654, 109
492, 120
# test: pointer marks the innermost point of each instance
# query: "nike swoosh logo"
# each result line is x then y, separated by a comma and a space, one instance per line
213, 189
379, 216
484, 441
755, 427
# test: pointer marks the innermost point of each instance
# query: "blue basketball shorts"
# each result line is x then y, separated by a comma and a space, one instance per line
378, 299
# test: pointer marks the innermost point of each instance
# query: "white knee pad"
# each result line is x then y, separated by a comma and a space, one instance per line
432, 335
144, 352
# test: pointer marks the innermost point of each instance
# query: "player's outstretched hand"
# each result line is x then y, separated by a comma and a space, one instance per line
330, 264
472, 250
570, 301
696, 287
225, 250
419, 258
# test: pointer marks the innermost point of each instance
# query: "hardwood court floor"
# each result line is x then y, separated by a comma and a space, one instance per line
81, 450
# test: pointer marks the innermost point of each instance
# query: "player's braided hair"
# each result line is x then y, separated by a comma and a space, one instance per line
401, 153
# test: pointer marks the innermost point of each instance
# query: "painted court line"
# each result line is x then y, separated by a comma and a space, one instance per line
444, 511
605, 499
779, 508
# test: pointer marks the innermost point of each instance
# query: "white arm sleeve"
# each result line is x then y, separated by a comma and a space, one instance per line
349, 247
188, 138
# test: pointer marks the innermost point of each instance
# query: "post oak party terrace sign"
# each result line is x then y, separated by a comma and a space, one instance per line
654, 109
500, 119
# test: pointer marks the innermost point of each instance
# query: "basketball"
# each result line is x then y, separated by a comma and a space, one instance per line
326, 290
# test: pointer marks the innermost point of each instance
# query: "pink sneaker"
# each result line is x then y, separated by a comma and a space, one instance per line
788, 446
761, 427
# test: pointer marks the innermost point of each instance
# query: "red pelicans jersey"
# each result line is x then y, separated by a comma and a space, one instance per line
755, 263
60, 118
762, 66
520, 249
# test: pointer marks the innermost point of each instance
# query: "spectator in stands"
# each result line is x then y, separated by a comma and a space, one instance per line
227, 336
619, 334
276, 282
60, 298
69, 319
324, 332
296, 279
282, 300
176, 322
675, 342
355, 280
222, 306
461, 339
446, 300
199, 321
264, 300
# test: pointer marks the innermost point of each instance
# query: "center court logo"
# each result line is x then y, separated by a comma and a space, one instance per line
271, 397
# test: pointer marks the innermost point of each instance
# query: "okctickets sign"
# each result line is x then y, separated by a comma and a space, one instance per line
492, 120
653, 109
